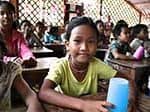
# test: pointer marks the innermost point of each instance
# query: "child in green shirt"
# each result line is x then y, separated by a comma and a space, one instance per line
77, 74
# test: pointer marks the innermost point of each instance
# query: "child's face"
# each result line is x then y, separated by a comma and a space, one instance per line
6, 17
26, 27
143, 35
100, 27
40, 29
124, 35
82, 44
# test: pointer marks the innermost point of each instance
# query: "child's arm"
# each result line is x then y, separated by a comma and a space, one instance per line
49, 95
118, 55
28, 95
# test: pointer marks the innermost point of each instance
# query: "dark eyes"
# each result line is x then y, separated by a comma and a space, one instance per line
126, 32
89, 41
2, 13
77, 41
92, 41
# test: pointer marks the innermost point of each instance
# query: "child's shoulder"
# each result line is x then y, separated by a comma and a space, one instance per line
115, 43
61, 61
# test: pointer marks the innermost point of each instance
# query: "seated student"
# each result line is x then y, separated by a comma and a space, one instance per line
63, 35
10, 75
27, 29
78, 74
14, 40
100, 27
51, 36
37, 39
140, 35
113, 36
108, 33
120, 47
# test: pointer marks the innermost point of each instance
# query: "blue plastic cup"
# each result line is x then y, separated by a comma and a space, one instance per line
118, 94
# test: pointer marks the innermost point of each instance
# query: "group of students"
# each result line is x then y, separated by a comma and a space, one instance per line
33, 36
14, 52
38, 35
105, 31
75, 75
125, 39
123, 47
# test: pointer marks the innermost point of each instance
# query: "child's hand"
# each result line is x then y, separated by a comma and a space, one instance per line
35, 106
96, 106
29, 63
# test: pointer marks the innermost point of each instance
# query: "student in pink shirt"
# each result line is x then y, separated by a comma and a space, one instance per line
14, 40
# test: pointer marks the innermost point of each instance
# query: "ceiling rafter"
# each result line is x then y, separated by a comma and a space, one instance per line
142, 6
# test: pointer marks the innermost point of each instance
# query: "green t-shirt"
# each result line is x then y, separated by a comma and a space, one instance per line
62, 75
121, 47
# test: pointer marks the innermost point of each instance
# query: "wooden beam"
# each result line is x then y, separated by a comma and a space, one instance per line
141, 2
132, 5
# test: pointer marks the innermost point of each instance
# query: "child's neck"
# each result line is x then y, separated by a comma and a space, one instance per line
77, 66
78, 70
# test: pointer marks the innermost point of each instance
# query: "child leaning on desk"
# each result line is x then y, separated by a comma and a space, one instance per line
140, 35
78, 74
120, 49
10, 76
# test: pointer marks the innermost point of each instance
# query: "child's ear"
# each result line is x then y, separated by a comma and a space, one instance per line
67, 45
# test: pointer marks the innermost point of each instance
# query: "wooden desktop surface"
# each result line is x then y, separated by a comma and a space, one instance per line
35, 75
132, 64
100, 53
101, 96
59, 49
137, 70
42, 52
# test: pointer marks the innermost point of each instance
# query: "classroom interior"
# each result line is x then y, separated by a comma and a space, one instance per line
57, 13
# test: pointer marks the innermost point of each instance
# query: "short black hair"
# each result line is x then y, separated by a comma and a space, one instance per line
39, 23
82, 20
2, 45
121, 22
24, 21
118, 28
99, 21
8, 5
138, 28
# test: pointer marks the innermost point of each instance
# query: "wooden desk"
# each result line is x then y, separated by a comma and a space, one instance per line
100, 53
59, 49
52, 108
42, 52
34, 76
137, 70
